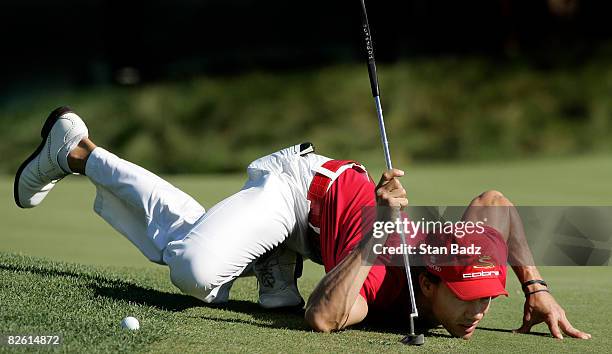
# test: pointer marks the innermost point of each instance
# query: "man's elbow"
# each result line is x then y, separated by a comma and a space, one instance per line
319, 322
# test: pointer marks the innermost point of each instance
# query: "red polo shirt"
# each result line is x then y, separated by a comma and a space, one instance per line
341, 230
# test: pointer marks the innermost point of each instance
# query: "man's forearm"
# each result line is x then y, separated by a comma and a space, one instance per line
330, 304
520, 255
525, 273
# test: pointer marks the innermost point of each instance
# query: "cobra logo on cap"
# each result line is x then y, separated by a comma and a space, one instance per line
480, 274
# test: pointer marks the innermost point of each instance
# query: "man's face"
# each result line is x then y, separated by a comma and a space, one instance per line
459, 317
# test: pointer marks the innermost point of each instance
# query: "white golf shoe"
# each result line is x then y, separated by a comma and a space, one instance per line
277, 275
48, 164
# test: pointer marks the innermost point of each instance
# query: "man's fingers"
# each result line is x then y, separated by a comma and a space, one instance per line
393, 184
399, 192
398, 202
390, 189
389, 175
390, 186
567, 327
553, 325
396, 198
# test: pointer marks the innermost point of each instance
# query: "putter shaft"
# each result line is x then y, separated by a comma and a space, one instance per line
385, 142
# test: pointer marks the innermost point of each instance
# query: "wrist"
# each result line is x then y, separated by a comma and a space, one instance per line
531, 294
534, 285
525, 273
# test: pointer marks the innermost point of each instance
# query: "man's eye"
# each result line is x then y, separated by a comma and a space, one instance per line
485, 300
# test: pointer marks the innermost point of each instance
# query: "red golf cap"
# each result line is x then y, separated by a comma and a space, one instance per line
479, 272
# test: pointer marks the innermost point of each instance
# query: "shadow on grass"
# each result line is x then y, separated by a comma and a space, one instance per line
540, 334
289, 318
113, 288
50, 271
292, 319
400, 328
120, 290
137, 294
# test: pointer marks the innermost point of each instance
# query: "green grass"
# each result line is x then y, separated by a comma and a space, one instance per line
62, 270
85, 304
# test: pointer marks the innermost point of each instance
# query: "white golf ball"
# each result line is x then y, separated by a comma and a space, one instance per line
130, 323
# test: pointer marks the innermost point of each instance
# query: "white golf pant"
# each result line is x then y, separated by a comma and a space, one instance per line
205, 250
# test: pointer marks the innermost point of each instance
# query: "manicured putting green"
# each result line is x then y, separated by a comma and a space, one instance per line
106, 278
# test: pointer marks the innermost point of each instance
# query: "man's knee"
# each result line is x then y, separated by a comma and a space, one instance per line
196, 275
491, 198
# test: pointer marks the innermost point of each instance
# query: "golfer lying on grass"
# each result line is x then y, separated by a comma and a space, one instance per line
295, 203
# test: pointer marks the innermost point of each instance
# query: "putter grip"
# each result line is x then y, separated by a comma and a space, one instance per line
369, 47
373, 79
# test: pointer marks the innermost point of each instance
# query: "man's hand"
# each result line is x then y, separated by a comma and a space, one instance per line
542, 307
389, 192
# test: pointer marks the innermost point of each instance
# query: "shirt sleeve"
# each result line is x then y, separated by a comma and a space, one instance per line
373, 283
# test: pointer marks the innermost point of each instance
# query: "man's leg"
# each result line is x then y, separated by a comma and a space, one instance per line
142, 206
205, 252
232, 235
147, 210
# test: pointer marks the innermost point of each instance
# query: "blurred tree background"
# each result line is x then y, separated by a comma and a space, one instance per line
189, 86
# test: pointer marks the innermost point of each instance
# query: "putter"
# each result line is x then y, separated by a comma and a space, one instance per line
411, 338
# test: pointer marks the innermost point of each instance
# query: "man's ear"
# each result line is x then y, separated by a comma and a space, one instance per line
427, 287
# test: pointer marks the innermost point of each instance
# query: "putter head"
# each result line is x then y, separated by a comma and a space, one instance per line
414, 339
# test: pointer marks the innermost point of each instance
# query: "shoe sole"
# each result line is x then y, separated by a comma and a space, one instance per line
44, 133
295, 308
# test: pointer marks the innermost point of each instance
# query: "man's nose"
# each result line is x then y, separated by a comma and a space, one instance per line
475, 316
476, 310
